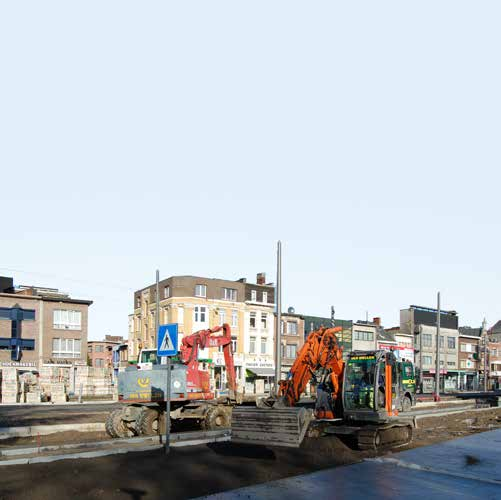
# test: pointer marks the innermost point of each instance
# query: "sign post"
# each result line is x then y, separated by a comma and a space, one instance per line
167, 346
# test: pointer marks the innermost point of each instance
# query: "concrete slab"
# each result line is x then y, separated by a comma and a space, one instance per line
466, 468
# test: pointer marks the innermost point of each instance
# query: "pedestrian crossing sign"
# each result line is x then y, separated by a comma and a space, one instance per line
167, 340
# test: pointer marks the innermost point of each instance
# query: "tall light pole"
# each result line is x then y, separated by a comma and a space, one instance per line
278, 329
437, 373
486, 364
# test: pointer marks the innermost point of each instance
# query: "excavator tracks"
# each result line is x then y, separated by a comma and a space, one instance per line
381, 437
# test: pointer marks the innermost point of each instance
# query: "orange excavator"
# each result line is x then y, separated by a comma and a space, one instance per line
358, 397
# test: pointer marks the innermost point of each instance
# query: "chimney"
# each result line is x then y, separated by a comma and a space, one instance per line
261, 278
377, 321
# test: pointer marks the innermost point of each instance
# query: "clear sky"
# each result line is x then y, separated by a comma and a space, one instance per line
190, 136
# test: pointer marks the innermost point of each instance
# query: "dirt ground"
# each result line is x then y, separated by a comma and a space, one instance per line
193, 471
56, 438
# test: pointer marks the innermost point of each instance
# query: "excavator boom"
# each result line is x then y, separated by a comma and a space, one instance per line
282, 423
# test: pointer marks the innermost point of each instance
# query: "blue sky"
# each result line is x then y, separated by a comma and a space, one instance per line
190, 136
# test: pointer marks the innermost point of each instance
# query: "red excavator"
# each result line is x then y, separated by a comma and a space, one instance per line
144, 390
359, 397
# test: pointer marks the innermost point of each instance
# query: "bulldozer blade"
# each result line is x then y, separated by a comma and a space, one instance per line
270, 426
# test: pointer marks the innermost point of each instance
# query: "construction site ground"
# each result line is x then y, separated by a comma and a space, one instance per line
205, 469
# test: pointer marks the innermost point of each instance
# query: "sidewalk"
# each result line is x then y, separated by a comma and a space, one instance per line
463, 468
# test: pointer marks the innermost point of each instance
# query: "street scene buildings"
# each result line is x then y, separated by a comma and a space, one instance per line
52, 332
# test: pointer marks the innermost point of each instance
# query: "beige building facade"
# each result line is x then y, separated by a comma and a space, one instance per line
198, 303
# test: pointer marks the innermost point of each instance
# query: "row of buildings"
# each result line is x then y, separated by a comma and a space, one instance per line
467, 355
42, 327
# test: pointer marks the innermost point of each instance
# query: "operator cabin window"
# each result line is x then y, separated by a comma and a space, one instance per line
264, 317
67, 320
263, 346
200, 291
253, 296
252, 322
67, 348
291, 328
252, 345
234, 318
265, 297
230, 294
200, 313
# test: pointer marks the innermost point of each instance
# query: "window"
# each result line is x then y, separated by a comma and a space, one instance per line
441, 341
265, 297
451, 342
290, 350
253, 296
264, 317
366, 336
252, 345
99, 348
89, 349
263, 345
451, 364
426, 360
166, 292
67, 348
462, 363
99, 363
200, 313
222, 316
138, 302
427, 339
67, 320
252, 322
234, 317
234, 344
229, 294
200, 291
291, 328
180, 315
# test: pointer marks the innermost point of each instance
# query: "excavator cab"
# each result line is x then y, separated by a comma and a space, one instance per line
370, 389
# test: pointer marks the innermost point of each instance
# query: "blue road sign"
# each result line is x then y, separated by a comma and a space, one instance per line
167, 340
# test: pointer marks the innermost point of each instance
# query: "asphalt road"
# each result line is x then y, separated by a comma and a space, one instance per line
24, 415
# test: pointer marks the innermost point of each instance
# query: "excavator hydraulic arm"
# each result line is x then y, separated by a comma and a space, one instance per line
320, 358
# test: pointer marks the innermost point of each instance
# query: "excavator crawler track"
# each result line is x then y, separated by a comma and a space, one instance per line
381, 437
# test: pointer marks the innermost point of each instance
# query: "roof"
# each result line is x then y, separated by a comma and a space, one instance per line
46, 299
468, 331
384, 335
496, 328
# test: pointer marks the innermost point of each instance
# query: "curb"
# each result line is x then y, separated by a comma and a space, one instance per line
43, 430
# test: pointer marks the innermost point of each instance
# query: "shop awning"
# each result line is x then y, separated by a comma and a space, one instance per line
262, 372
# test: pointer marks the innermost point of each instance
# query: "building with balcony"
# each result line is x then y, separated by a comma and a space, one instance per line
41, 326
198, 303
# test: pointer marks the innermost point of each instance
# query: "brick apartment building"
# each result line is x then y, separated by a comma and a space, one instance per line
469, 357
41, 327
100, 352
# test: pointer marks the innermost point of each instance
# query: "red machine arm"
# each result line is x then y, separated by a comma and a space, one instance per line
206, 338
